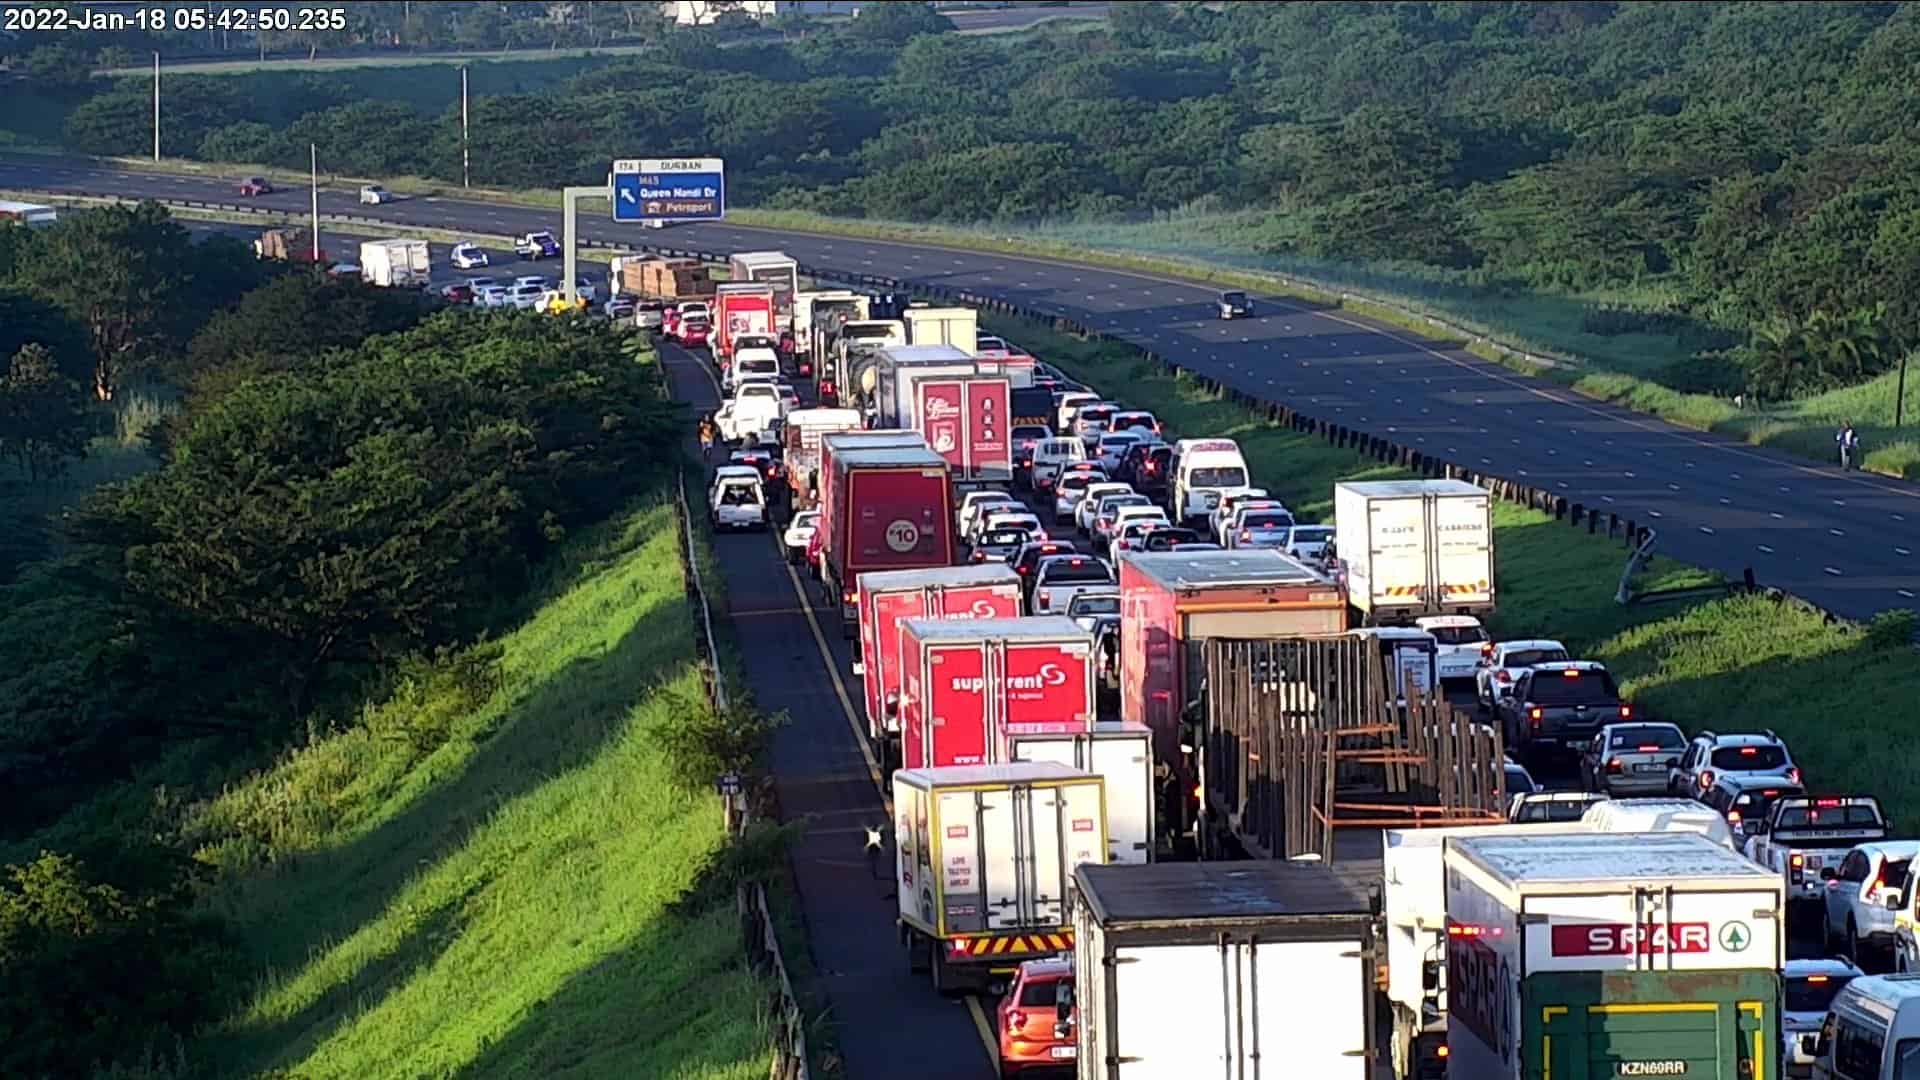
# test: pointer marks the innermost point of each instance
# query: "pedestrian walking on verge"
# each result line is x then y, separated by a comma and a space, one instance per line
1849, 443
706, 438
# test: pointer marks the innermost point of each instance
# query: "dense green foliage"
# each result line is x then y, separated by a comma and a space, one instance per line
1753, 161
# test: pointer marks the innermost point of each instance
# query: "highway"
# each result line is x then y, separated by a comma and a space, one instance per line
1841, 540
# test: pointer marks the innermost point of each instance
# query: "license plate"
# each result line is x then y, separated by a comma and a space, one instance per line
1648, 768
1063, 1051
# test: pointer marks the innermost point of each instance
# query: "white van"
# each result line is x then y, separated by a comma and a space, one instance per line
1872, 1031
1202, 470
1052, 455
1660, 815
748, 363
1412, 655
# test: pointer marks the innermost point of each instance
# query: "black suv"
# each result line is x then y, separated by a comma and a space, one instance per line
1559, 706
1025, 437
1145, 467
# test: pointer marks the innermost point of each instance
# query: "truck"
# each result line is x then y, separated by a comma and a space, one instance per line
890, 597
1415, 547
396, 263
740, 310
656, 277
848, 369
32, 215
1018, 368
1031, 406
800, 445
1194, 970
778, 272
885, 509
984, 858
1170, 602
966, 417
292, 244
966, 687
536, 245
855, 439
819, 316
955, 326
1119, 753
1584, 955
1806, 834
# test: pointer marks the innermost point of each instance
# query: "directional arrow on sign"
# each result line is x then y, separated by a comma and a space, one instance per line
627, 194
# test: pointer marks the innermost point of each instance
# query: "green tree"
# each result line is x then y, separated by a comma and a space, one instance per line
288, 323
897, 22
43, 415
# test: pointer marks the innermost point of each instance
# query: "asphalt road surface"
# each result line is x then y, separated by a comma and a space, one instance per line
1841, 540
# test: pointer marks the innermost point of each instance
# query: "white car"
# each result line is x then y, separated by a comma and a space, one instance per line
374, 195
493, 296
619, 307
478, 283
1089, 607
737, 500
987, 343
1129, 515
799, 534
1113, 446
1810, 986
648, 314
1257, 524
1459, 639
1503, 662
1089, 506
790, 396
1090, 422
1069, 408
525, 296
1133, 537
997, 519
1052, 455
1068, 493
1223, 509
1060, 578
534, 280
1309, 543
973, 502
468, 256
1104, 521
1858, 917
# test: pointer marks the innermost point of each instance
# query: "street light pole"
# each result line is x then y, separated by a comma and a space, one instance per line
313, 181
156, 106
466, 160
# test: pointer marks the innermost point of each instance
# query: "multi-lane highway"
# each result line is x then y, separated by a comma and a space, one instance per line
1841, 540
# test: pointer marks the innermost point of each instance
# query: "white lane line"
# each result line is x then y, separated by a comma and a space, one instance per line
1776, 516
1902, 551
1835, 532
1766, 549
1706, 530
1905, 592
1831, 570
1653, 513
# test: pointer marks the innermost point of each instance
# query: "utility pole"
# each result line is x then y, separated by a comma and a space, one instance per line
1900, 394
466, 158
313, 180
156, 106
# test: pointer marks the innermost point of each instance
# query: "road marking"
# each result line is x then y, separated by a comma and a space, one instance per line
1776, 516
985, 1029
1766, 549
1653, 513
1902, 551
1724, 501
1831, 570
1706, 530
1905, 593
1835, 532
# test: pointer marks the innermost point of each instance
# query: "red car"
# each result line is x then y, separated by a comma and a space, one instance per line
1033, 1034
256, 185
670, 321
694, 333
458, 293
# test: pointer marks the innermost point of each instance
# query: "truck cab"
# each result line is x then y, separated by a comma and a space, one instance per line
537, 245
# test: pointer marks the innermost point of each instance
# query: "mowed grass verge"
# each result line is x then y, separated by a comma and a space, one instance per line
495, 875
1836, 691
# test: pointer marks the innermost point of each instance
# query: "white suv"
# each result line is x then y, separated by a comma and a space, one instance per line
1503, 662
1460, 638
1060, 578
1052, 455
1863, 900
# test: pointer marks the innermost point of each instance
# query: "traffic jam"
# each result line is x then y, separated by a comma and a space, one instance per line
1111, 682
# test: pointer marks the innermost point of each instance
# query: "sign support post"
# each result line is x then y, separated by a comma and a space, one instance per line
569, 233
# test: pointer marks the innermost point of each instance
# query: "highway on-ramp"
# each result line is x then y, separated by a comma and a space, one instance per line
1845, 541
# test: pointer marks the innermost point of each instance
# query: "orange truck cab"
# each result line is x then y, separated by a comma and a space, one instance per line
1036, 1017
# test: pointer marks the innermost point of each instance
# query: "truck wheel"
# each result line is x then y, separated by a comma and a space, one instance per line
848, 629
919, 953
943, 982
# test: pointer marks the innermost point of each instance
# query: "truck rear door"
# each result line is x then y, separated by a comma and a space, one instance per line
1462, 549
1396, 560
1025, 833
1599, 1025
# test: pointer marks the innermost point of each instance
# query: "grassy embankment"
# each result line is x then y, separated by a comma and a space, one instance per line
1834, 691
502, 881
27, 507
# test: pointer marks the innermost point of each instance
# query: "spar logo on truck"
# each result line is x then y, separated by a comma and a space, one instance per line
1048, 675
1480, 988
980, 609
1650, 939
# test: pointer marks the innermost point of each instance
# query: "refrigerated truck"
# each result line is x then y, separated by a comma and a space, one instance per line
1582, 955
967, 417
955, 326
1119, 753
774, 269
1170, 602
740, 310
887, 510
984, 864
395, 263
819, 317
800, 444
841, 442
966, 687
888, 598
1415, 547
1196, 970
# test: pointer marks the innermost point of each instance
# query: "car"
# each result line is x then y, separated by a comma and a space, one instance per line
1090, 422
585, 289
763, 461
1502, 662
1089, 506
478, 283
1068, 493
525, 296
683, 311
1859, 892
1088, 608
737, 499
1544, 807
1136, 420
1131, 515
1051, 457
974, 503
987, 343
374, 195
1198, 545
694, 332
493, 296
1166, 539
1458, 638
1631, 758
534, 280
255, 185
1106, 518
1133, 537
1112, 448
1026, 560
537, 245
468, 256
457, 292
618, 307
1258, 525
1035, 1018
1059, 578
1234, 304
996, 518
1809, 985
1313, 543
1712, 755
1745, 802
1026, 438
648, 314
798, 534
999, 545
1223, 508
1518, 780
1560, 706
1068, 407
1145, 466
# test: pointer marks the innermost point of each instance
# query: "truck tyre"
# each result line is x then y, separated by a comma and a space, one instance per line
919, 953
848, 629
942, 978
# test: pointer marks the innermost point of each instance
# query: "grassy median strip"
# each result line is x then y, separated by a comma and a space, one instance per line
500, 873
1837, 692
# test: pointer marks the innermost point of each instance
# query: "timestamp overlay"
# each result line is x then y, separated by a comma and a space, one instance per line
63, 19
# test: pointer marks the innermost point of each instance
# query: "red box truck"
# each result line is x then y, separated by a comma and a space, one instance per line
1170, 601
741, 309
991, 591
967, 421
884, 509
966, 685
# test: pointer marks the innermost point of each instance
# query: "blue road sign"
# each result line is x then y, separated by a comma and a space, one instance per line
669, 189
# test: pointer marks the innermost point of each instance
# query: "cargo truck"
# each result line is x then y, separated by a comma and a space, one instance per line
984, 865
1171, 602
1415, 547
1582, 956
800, 446
292, 244
740, 310
886, 509
966, 417
778, 272
955, 326
819, 316
1190, 971
965, 687
848, 373
657, 278
396, 263
1119, 753
889, 598
857, 439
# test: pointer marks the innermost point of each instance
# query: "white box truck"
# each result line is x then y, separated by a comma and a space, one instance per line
955, 326
1579, 956
1415, 547
395, 263
984, 861
1119, 753
1210, 969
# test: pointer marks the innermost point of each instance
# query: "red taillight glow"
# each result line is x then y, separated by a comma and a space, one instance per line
1825, 803
1706, 779
1614, 766
1646, 749
1816, 978
1569, 674
1749, 751
1626, 711
1246, 536
1503, 676
1535, 715
1016, 1020
1793, 775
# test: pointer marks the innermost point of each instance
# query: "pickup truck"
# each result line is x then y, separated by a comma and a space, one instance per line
537, 245
1805, 833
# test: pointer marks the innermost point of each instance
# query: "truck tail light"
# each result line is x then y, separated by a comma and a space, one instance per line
1796, 864
1534, 716
1044, 602
1197, 792
848, 596
1626, 712
1614, 766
